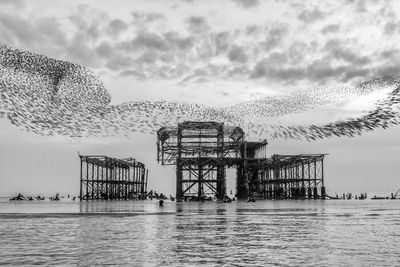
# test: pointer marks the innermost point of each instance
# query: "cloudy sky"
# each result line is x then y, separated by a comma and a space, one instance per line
213, 52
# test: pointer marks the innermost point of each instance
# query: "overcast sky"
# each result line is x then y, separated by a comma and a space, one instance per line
214, 52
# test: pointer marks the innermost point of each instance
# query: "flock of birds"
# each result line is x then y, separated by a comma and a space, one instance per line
54, 97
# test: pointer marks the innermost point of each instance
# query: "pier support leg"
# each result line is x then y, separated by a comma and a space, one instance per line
179, 189
241, 184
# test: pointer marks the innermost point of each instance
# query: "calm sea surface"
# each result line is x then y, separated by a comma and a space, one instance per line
140, 233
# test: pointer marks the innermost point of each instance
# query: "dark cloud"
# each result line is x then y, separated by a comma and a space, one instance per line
297, 52
16, 3
150, 49
148, 57
151, 40
197, 24
22, 29
176, 41
117, 26
224, 93
310, 16
147, 16
33, 34
390, 54
237, 54
265, 69
355, 73
251, 29
119, 63
336, 49
361, 6
80, 50
391, 27
105, 50
279, 66
222, 42
133, 73
274, 36
238, 71
386, 70
331, 28
260, 70
93, 31
247, 3
89, 21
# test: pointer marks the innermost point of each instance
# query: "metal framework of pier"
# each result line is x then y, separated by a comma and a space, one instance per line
201, 152
102, 177
287, 177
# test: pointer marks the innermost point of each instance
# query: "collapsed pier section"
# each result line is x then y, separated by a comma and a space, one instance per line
287, 177
107, 178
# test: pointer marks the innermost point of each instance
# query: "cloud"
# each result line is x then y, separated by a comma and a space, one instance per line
148, 57
80, 51
275, 34
16, 3
133, 73
247, 3
222, 42
297, 52
21, 28
197, 24
336, 49
175, 40
119, 63
237, 54
251, 29
152, 40
147, 16
391, 28
117, 26
310, 16
290, 66
33, 34
105, 50
331, 28
264, 69
202, 46
390, 69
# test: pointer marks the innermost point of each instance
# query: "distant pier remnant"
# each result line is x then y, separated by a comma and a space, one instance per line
102, 177
201, 152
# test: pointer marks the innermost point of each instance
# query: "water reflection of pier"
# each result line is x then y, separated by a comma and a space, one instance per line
103, 177
201, 152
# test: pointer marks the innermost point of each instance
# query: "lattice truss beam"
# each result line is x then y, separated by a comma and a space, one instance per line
203, 180
198, 139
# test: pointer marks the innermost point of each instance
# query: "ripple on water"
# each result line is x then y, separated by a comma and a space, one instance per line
282, 233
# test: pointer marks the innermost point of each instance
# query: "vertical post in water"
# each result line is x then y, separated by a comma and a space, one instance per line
87, 180
147, 177
80, 189
179, 189
322, 178
241, 176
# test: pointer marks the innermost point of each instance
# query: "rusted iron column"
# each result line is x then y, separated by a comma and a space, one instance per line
81, 179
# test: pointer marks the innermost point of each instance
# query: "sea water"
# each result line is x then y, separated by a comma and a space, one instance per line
141, 233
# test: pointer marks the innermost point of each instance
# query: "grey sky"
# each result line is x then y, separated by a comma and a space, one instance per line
214, 52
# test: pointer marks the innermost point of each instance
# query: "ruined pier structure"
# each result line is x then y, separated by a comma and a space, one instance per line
201, 152
108, 178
